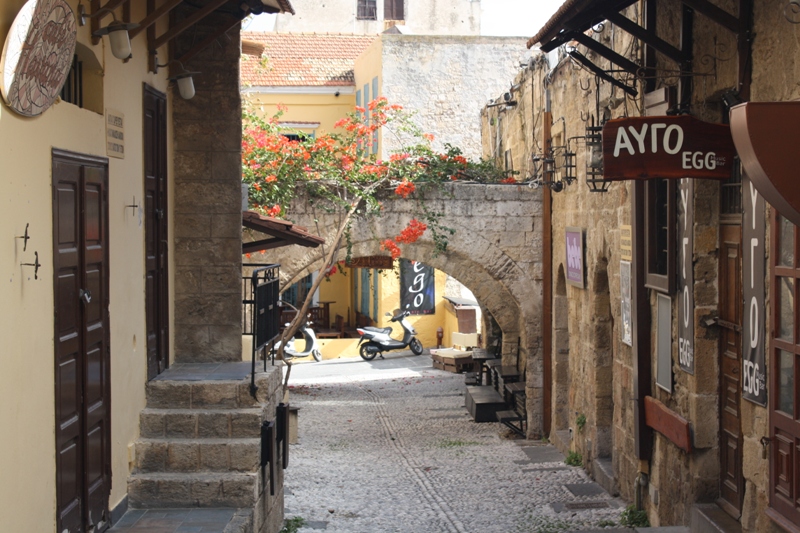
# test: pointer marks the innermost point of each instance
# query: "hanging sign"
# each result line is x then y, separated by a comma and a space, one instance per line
666, 147
574, 238
686, 275
37, 56
372, 261
417, 288
754, 366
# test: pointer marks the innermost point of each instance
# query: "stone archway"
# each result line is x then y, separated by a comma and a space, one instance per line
495, 252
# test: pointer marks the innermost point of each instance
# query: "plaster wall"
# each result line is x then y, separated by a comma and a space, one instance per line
446, 81
27, 450
422, 17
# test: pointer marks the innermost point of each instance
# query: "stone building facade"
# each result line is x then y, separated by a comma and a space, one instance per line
611, 402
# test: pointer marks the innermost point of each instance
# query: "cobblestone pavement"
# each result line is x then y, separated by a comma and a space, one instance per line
388, 446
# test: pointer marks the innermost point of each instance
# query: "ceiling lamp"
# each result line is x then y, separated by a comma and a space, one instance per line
117, 31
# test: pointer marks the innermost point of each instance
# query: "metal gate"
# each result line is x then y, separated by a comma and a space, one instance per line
260, 312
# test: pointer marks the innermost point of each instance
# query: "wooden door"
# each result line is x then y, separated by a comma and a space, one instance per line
784, 374
155, 212
730, 362
82, 370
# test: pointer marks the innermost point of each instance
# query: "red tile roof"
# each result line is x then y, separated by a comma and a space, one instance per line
303, 60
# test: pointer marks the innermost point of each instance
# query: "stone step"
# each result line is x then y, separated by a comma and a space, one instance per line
202, 423
164, 490
219, 394
710, 518
197, 455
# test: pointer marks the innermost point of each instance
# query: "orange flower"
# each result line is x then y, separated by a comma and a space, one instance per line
257, 186
412, 232
271, 178
390, 246
405, 188
508, 180
428, 136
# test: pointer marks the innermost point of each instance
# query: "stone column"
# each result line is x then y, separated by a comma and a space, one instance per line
207, 200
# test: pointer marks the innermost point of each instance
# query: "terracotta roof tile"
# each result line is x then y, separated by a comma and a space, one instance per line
303, 59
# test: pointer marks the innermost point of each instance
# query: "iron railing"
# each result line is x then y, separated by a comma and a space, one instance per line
260, 312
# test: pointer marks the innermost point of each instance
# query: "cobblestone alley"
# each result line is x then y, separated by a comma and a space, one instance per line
387, 446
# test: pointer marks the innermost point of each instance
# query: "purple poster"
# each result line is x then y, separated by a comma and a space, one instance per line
575, 257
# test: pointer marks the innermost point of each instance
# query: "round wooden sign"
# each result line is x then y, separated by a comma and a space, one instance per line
38, 55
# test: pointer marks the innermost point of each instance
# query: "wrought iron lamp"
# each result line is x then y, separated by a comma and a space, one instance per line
117, 31
183, 79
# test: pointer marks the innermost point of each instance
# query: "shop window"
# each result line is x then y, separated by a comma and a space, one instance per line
367, 10
784, 373
660, 235
393, 10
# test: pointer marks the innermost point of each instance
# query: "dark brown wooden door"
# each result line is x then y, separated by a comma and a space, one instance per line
730, 362
784, 374
82, 370
155, 212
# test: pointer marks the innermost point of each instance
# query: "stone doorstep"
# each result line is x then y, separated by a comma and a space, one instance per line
219, 520
710, 518
603, 474
201, 423
197, 455
214, 394
169, 490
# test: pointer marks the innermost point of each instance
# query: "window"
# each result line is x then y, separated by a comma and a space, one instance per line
393, 10
660, 235
784, 374
367, 10
72, 92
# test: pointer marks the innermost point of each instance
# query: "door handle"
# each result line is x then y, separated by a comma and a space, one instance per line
85, 296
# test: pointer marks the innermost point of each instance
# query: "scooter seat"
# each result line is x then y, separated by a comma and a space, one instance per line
388, 331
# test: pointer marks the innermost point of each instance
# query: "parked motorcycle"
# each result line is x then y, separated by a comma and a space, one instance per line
378, 340
311, 347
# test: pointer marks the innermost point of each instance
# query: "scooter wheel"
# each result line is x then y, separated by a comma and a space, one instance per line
366, 355
317, 355
415, 346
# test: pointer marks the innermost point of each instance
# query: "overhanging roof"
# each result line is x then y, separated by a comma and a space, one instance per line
574, 16
281, 232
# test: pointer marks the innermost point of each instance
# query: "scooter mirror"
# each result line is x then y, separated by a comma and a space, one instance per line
388, 314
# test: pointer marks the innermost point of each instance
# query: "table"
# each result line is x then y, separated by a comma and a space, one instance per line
481, 356
326, 312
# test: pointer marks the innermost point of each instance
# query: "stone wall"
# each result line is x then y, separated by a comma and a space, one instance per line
495, 252
207, 203
586, 339
446, 81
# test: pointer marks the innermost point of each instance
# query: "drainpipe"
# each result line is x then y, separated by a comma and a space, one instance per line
547, 280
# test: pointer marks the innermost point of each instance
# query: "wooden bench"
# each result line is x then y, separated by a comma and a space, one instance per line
515, 418
483, 403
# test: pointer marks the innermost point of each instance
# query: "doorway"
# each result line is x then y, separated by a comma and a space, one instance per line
731, 486
155, 214
82, 369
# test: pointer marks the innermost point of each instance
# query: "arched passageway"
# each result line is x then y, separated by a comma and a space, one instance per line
495, 252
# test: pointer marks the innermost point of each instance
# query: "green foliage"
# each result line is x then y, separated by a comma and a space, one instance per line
292, 525
633, 517
606, 523
580, 421
574, 459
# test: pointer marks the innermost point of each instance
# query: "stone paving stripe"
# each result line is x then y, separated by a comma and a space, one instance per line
585, 489
316, 524
543, 454
573, 506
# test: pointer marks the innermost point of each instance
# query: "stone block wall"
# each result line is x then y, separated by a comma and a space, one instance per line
446, 80
207, 214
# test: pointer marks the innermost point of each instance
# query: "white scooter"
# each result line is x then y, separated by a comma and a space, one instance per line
311, 347
378, 340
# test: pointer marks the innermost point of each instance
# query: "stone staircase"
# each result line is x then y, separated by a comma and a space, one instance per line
200, 445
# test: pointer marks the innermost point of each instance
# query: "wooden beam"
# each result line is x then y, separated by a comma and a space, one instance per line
224, 28
187, 23
585, 19
718, 15
601, 73
153, 15
265, 244
669, 423
604, 51
646, 36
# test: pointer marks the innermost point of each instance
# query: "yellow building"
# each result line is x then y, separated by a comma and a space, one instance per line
96, 215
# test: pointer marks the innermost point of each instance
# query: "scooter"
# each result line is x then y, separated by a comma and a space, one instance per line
311, 348
378, 340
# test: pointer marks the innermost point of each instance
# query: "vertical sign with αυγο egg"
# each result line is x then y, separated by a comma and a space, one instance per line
754, 382
625, 297
686, 275
115, 134
574, 238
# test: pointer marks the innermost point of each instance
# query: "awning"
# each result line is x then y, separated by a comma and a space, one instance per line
282, 233
765, 135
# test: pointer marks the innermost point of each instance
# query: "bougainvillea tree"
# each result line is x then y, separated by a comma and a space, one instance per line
338, 173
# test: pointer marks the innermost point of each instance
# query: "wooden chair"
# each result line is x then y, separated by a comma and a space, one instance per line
336, 332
